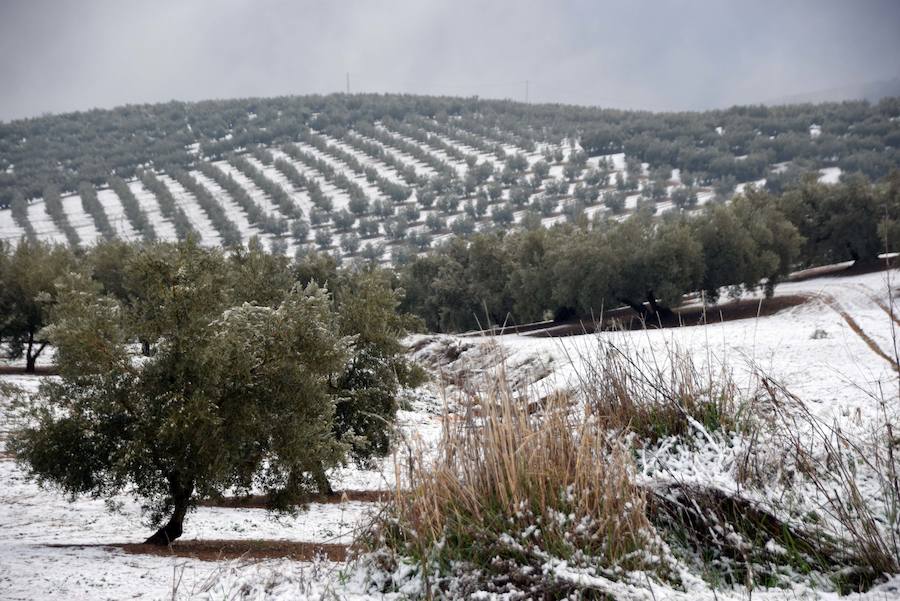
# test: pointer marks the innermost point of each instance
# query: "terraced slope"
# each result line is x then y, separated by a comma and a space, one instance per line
360, 176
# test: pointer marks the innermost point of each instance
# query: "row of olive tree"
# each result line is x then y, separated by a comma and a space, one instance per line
54, 207
167, 205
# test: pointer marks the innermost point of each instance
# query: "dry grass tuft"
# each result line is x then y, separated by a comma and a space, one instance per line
511, 487
658, 397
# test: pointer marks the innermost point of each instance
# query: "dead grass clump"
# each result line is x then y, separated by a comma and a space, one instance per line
656, 398
511, 489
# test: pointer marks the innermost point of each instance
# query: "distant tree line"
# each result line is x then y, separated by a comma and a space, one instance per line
649, 263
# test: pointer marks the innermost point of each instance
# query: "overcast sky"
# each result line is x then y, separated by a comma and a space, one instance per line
664, 55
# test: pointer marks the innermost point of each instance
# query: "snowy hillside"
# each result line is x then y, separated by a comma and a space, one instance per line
344, 175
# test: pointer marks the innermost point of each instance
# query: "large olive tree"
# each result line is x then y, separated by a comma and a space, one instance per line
231, 398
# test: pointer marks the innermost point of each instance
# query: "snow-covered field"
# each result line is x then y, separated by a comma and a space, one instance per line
9, 229
81, 221
208, 233
43, 225
115, 212
51, 548
163, 228
233, 211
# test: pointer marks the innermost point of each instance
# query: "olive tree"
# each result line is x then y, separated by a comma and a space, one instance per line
27, 291
232, 397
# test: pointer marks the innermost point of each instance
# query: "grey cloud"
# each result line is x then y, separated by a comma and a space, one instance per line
664, 55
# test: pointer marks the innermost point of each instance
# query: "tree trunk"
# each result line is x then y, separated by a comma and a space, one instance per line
641, 310
30, 360
661, 311
868, 261
322, 482
31, 355
181, 497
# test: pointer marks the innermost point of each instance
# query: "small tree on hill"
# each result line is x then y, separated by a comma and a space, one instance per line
27, 277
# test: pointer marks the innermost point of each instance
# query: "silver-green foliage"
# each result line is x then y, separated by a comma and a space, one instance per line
227, 398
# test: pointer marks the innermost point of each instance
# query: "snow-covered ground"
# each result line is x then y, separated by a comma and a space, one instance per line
830, 175
234, 212
420, 167
372, 192
42, 223
339, 197
460, 166
444, 143
835, 367
9, 229
51, 548
383, 170
115, 212
811, 348
198, 218
149, 203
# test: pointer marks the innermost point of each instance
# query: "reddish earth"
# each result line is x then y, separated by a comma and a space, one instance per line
17, 370
626, 319
260, 501
215, 550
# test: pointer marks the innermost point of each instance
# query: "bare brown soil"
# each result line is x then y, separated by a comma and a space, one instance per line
890, 311
260, 501
857, 329
626, 319
16, 370
215, 550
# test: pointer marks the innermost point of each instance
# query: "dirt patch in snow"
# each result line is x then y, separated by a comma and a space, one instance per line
260, 501
693, 315
216, 550
19, 370
857, 329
